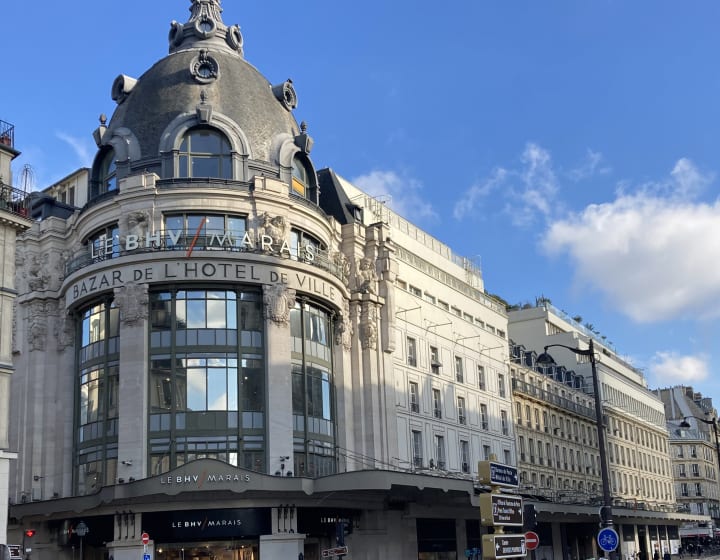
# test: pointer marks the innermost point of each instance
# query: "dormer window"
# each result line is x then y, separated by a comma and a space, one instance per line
205, 152
299, 177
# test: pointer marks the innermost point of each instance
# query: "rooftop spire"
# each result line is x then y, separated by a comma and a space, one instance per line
205, 25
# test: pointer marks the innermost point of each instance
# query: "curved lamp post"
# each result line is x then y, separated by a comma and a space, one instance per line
606, 517
713, 423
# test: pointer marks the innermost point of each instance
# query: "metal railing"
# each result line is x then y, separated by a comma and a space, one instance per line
7, 134
14, 200
551, 398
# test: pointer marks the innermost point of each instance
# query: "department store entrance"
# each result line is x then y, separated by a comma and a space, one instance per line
215, 550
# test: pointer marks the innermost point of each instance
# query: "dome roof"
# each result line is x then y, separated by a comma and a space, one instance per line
205, 66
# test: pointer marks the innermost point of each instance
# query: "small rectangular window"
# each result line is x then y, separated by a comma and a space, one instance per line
435, 364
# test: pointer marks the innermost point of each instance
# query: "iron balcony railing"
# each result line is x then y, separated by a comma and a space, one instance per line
561, 402
7, 134
14, 200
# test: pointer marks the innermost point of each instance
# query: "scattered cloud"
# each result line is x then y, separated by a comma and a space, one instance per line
669, 368
84, 149
531, 189
648, 251
404, 194
591, 166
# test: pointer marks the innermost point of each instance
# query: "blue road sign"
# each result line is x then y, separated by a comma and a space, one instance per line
608, 539
146, 556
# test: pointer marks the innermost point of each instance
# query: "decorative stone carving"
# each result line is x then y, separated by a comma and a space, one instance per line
344, 328
342, 266
138, 223
368, 327
275, 228
279, 300
366, 276
64, 327
38, 275
133, 301
37, 327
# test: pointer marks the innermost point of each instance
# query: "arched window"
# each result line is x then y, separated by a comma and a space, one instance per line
105, 174
303, 181
205, 152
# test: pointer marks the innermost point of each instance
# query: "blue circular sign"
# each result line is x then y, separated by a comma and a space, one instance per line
608, 539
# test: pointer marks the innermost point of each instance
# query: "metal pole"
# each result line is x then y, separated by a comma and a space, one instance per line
606, 518
717, 450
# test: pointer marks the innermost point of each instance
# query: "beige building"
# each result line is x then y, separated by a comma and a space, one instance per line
694, 451
13, 219
638, 453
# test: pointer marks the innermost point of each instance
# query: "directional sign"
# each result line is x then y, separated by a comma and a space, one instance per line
532, 540
497, 474
337, 551
81, 529
501, 509
504, 546
608, 539
146, 556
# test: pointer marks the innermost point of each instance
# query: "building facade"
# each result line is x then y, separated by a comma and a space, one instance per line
13, 220
695, 453
241, 357
637, 441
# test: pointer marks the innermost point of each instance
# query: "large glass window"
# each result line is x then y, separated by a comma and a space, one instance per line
207, 378
312, 391
205, 152
97, 409
104, 243
204, 231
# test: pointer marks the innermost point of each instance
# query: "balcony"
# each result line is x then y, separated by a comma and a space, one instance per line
14, 200
7, 134
537, 393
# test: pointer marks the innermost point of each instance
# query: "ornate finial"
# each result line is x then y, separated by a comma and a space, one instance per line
103, 119
203, 96
303, 127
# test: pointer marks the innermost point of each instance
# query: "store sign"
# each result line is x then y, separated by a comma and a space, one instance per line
199, 480
198, 270
205, 524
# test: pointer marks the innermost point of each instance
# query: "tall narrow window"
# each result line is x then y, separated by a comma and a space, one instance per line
411, 351
504, 423
440, 451
437, 403
435, 360
205, 152
501, 385
484, 421
417, 448
459, 374
465, 455
481, 377
414, 397
462, 418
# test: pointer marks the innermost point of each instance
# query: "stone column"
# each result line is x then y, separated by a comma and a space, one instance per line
132, 300
279, 300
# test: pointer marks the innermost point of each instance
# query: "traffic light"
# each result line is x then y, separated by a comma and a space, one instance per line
29, 533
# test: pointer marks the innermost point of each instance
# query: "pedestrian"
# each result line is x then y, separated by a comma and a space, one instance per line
656, 554
666, 556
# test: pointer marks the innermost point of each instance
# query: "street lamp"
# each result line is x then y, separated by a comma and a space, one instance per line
606, 517
713, 423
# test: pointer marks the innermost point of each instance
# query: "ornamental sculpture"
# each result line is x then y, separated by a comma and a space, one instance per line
133, 301
278, 300
366, 277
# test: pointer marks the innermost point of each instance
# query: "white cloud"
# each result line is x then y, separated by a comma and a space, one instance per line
84, 149
649, 253
531, 190
669, 368
405, 193
590, 167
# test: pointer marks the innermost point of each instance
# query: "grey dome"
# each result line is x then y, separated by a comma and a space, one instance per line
205, 65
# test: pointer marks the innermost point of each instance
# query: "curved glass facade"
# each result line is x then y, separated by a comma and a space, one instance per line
313, 393
207, 378
97, 411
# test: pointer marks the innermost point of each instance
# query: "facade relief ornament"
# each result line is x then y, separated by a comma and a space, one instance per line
37, 327
137, 224
64, 329
344, 328
342, 267
272, 230
279, 300
133, 301
366, 276
368, 326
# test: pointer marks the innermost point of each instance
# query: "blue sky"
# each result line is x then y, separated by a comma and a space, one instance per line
569, 147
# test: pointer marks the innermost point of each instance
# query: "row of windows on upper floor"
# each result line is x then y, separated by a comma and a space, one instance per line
691, 451
205, 153
437, 459
201, 231
461, 409
450, 308
411, 348
694, 471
